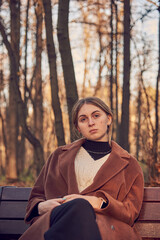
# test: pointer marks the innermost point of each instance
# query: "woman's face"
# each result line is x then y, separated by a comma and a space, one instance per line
93, 122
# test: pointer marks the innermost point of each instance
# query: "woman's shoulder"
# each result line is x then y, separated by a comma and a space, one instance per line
77, 143
125, 154
119, 150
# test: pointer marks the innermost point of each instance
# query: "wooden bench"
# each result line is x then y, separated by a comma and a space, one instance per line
148, 223
14, 200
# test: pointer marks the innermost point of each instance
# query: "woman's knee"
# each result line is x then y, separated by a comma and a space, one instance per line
81, 203
77, 208
82, 206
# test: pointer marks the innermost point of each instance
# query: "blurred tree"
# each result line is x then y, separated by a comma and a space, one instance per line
124, 129
17, 95
87, 57
100, 33
13, 110
144, 130
38, 99
53, 73
4, 140
156, 137
66, 57
22, 148
116, 71
139, 103
111, 55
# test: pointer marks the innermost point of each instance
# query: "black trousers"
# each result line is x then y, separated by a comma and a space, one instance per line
74, 220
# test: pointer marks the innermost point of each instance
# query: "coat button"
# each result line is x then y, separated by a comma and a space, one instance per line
112, 227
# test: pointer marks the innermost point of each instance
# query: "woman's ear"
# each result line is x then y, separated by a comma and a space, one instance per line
109, 119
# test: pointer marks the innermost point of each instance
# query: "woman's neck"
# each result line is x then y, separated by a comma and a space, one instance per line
96, 149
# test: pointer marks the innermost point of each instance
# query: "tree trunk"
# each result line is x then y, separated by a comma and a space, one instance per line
156, 150
124, 130
13, 110
99, 81
139, 102
17, 94
100, 35
22, 150
111, 55
66, 57
53, 73
116, 72
4, 140
38, 100
86, 43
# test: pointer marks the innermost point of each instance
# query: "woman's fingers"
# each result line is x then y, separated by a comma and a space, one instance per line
94, 201
45, 206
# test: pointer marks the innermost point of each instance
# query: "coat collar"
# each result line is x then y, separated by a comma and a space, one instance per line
117, 161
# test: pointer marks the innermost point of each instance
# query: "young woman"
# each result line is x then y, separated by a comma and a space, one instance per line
91, 189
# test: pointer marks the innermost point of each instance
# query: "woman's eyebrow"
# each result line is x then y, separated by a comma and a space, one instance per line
95, 111
83, 115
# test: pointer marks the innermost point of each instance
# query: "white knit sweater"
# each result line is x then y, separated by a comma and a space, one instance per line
86, 168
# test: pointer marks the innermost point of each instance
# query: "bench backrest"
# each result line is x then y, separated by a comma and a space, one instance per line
13, 201
148, 224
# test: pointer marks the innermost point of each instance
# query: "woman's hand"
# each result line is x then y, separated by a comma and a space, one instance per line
94, 201
45, 206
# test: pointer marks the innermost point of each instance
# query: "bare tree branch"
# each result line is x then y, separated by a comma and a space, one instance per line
21, 108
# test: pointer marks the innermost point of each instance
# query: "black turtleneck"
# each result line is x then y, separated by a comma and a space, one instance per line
97, 150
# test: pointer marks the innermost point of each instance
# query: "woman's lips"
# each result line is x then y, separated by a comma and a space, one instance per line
93, 131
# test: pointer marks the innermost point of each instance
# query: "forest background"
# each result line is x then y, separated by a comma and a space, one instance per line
54, 52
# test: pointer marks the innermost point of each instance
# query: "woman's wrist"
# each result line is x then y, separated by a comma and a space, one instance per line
40, 207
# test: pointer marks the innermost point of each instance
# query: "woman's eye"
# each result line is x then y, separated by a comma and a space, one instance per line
96, 116
82, 119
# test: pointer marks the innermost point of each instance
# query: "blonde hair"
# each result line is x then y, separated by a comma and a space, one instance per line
94, 101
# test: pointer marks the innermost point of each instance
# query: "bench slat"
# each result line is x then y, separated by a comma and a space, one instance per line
15, 193
12, 210
151, 194
12, 227
148, 230
150, 212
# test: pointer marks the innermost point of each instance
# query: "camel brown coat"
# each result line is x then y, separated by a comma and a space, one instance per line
119, 180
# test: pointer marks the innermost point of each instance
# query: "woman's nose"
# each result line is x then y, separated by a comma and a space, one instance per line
90, 121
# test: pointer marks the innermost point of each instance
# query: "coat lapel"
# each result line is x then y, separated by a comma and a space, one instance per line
109, 169
115, 163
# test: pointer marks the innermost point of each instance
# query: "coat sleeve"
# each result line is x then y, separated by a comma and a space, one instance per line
38, 193
128, 209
